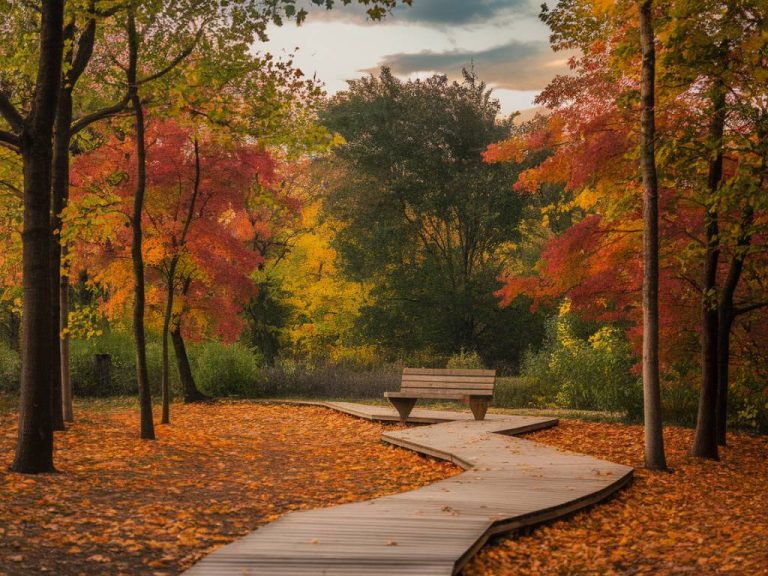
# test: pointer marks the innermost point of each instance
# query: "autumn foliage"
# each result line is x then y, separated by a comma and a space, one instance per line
713, 186
217, 256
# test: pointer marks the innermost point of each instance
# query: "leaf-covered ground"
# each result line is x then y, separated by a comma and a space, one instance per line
120, 505
703, 518
123, 506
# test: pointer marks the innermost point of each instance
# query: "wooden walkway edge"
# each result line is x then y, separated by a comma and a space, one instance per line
509, 483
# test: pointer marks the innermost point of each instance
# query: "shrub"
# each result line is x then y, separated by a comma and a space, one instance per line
226, 369
363, 356
591, 374
467, 360
10, 369
119, 345
748, 398
519, 392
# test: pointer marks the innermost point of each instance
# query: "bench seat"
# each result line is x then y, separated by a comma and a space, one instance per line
472, 386
437, 395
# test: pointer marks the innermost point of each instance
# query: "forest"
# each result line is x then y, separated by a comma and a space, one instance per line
214, 214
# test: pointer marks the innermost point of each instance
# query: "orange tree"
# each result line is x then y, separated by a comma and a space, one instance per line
198, 229
713, 182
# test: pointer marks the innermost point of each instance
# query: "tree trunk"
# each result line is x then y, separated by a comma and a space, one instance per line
34, 449
705, 439
62, 135
60, 190
191, 393
165, 384
66, 381
654, 437
726, 317
145, 396
102, 364
725, 323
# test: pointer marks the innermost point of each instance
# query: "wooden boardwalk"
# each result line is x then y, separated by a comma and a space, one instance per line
508, 483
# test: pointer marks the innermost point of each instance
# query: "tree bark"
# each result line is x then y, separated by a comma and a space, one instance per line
66, 381
62, 137
171, 278
191, 393
705, 439
165, 384
726, 316
654, 437
147, 428
34, 449
59, 192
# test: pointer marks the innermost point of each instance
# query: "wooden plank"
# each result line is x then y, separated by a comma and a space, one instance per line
448, 372
445, 378
447, 385
509, 483
438, 393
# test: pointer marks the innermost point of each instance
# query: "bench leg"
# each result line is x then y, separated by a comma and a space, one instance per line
403, 406
479, 407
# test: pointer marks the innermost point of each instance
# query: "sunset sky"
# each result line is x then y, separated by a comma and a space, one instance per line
503, 38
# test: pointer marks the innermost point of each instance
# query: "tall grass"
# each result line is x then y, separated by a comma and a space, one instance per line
292, 380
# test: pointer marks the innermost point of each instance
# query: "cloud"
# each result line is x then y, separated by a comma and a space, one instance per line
431, 13
458, 12
515, 65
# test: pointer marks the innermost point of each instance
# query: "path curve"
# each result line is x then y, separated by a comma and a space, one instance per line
509, 483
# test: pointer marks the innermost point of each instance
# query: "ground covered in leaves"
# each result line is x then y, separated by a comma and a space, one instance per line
120, 505
702, 518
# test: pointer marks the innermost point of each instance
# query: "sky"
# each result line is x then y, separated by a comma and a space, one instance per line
504, 39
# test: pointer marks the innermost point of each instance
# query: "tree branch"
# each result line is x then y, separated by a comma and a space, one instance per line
749, 308
83, 54
107, 112
173, 63
10, 141
11, 114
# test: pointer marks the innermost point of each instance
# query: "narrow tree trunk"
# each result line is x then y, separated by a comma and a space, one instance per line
145, 396
725, 323
165, 384
191, 393
62, 136
34, 449
66, 381
654, 437
60, 189
726, 317
705, 439
171, 277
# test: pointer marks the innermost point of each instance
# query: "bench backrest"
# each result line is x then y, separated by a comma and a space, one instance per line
448, 381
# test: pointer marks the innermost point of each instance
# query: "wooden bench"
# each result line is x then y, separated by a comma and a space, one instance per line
472, 386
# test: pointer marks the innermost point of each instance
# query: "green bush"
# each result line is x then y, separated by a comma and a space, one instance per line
585, 374
467, 360
119, 345
226, 369
748, 401
10, 369
516, 392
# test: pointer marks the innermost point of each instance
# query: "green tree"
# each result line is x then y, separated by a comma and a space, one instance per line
424, 220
